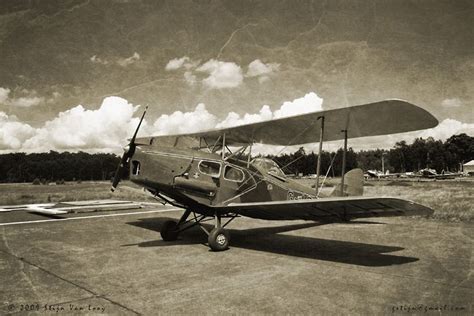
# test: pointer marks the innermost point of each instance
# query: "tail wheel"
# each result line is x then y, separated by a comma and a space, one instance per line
218, 239
169, 231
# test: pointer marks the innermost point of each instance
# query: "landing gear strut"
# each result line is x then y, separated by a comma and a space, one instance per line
218, 238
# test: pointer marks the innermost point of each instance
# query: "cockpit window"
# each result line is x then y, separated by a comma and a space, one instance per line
268, 166
210, 168
135, 167
233, 174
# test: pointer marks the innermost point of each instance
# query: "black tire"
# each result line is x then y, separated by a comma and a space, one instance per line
169, 231
219, 239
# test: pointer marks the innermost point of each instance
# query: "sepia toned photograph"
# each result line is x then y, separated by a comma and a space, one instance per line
236, 157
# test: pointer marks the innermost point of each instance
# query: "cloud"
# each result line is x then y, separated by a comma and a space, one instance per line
234, 119
259, 69
190, 78
124, 62
4, 92
105, 129
221, 74
183, 62
187, 122
97, 60
451, 103
13, 133
108, 127
311, 102
25, 102
442, 131
447, 128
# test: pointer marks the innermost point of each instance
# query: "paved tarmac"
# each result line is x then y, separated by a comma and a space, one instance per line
118, 264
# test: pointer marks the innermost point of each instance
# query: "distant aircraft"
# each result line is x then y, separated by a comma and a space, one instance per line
381, 175
211, 176
432, 174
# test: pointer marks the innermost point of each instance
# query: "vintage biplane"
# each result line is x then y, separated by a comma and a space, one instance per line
211, 175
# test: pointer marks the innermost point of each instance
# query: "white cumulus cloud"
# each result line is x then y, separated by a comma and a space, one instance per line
234, 119
104, 129
107, 128
447, 128
13, 133
311, 102
187, 122
258, 68
221, 74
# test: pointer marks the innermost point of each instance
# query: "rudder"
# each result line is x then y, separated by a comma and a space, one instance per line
353, 184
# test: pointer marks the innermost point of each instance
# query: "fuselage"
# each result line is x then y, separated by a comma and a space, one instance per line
201, 181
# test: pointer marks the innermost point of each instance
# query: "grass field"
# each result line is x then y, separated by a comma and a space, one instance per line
23, 193
452, 200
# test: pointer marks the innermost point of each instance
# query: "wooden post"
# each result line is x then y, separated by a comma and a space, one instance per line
318, 166
344, 161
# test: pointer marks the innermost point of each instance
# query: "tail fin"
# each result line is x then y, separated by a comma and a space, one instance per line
353, 184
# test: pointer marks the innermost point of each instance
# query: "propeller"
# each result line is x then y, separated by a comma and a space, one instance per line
127, 155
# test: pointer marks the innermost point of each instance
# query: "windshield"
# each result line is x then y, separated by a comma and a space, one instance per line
268, 166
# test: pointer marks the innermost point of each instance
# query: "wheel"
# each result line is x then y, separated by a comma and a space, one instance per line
169, 231
218, 239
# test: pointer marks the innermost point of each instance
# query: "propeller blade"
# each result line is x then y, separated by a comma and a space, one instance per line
120, 169
132, 141
127, 155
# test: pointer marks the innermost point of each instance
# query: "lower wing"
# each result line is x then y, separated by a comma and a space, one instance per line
334, 208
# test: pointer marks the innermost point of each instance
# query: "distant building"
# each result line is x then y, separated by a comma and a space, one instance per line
468, 168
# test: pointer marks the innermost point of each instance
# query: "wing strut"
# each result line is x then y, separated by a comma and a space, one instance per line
249, 157
223, 146
344, 151
318, 166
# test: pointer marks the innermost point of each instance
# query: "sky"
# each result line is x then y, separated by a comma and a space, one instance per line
76, 75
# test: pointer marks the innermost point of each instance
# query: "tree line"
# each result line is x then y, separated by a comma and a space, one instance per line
81, 166
54, 166
403, 157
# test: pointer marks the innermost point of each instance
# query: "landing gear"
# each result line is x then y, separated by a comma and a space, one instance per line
218, 238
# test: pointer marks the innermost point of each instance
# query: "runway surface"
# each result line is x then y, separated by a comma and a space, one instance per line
116, 263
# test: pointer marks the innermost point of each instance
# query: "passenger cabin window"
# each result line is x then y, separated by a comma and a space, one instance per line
233, 174
210, 168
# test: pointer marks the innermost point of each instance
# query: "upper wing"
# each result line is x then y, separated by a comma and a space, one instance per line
379, 118
328, 208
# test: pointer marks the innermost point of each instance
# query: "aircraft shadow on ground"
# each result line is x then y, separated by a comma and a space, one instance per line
271, 239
